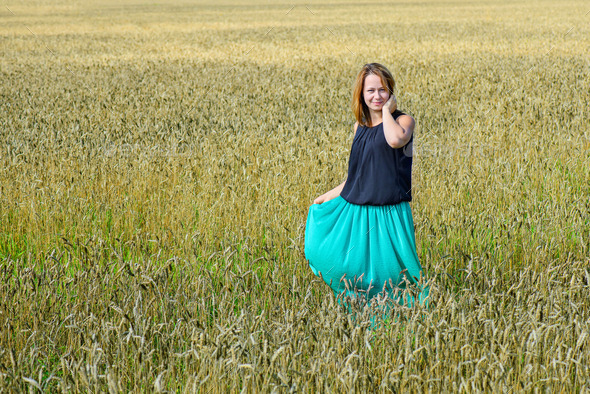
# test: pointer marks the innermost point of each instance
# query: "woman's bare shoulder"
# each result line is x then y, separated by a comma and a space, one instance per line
406, 121
397, 114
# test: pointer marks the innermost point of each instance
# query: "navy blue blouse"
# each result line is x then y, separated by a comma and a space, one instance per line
377, 173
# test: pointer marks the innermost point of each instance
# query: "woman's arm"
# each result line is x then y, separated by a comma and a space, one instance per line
397, 133
338, 189
330, 194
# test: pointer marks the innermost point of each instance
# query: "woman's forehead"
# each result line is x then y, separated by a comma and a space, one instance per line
373, 81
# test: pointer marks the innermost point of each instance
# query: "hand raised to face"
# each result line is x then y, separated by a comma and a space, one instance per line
391, 104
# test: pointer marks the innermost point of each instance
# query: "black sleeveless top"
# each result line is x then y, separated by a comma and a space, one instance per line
377, 173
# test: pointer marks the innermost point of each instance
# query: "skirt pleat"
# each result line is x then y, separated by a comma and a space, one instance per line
364, 249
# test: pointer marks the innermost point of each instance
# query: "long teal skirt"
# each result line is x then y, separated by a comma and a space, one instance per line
365, 250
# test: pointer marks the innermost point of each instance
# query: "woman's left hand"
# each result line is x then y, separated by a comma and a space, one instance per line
391, 104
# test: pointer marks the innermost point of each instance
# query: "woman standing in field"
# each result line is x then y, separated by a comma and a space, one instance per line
359, 236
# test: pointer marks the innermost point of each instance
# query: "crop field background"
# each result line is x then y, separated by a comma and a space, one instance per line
157, 160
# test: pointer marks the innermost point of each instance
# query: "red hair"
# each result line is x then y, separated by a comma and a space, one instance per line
360, 109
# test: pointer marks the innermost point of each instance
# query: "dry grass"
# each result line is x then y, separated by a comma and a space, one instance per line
157, 162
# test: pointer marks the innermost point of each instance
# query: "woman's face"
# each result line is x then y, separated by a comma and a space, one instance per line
374, 93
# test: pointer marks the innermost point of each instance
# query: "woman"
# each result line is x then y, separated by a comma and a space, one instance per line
359, 236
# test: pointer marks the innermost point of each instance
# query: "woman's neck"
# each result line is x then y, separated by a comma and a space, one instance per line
376, 118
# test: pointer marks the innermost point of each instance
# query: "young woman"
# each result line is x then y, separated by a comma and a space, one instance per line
359, 236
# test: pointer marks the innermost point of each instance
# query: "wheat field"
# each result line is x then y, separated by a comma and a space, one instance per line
157, 160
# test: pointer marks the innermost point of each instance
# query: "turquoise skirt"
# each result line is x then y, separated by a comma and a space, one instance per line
365, 250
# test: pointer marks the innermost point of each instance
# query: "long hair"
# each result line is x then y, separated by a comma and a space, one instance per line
360, 109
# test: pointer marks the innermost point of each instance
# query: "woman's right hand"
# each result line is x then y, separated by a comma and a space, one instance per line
320, 199
329, 195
